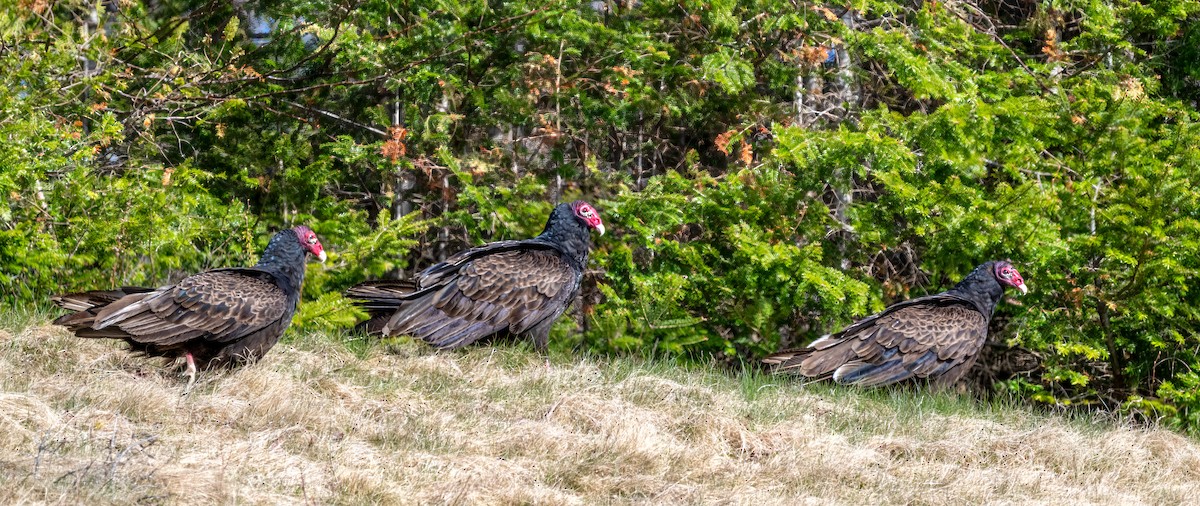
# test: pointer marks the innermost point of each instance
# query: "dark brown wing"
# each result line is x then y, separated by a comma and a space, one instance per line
380, 299
214, 306
95, 299
515, 291
384, 288
439, 274
936, 339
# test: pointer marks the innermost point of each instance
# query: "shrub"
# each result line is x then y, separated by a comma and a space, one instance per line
768, 172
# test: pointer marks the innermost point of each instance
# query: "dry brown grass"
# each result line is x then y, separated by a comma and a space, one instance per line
324, 422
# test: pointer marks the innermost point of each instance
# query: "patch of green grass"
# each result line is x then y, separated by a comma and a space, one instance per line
19, 318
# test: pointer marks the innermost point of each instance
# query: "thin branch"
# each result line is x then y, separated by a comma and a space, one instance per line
328, 114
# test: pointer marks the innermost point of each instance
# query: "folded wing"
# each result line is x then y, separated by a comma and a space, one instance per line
215, 307
473, 295
934, 339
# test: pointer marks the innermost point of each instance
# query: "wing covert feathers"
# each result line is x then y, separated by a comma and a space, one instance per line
935, 340
212, 309
472, 296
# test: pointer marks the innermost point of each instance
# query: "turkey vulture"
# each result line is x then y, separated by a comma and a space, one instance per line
506, 287
217, 317
935, 338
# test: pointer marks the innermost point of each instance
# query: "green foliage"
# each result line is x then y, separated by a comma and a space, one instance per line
721, 266
768, 171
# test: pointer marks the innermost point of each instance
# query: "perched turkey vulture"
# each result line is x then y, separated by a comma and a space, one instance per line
217, 317
506, 287
935, 338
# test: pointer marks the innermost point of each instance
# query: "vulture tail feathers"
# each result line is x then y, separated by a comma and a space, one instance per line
87, 306
787, 359
383, 289
82, 301
813, 361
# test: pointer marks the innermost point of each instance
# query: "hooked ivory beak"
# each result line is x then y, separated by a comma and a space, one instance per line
600, 228
323, 256
1023, 289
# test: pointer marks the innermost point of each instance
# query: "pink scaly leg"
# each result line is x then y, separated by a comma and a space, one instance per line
191, 370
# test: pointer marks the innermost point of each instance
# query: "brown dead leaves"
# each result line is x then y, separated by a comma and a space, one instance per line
744, 151
394, 148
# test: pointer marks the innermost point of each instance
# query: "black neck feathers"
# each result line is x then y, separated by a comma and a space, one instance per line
285, 258
980, 288
568, 233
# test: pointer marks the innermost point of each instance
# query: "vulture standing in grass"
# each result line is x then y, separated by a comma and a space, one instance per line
934, 339
506, 287
221, 317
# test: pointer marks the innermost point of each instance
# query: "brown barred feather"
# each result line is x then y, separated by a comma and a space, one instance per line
220, 317
935, 339
506, 287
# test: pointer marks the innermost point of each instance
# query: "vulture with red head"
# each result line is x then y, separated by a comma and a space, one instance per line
507, 287
221, 317
933, 339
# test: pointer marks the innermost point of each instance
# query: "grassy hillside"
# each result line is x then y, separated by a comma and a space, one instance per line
325, 421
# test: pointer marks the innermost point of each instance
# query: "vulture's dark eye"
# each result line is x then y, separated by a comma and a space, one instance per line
312, 239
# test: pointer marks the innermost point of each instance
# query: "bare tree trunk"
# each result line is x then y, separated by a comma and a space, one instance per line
637, 182
846, 92
405, 182
834, 100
